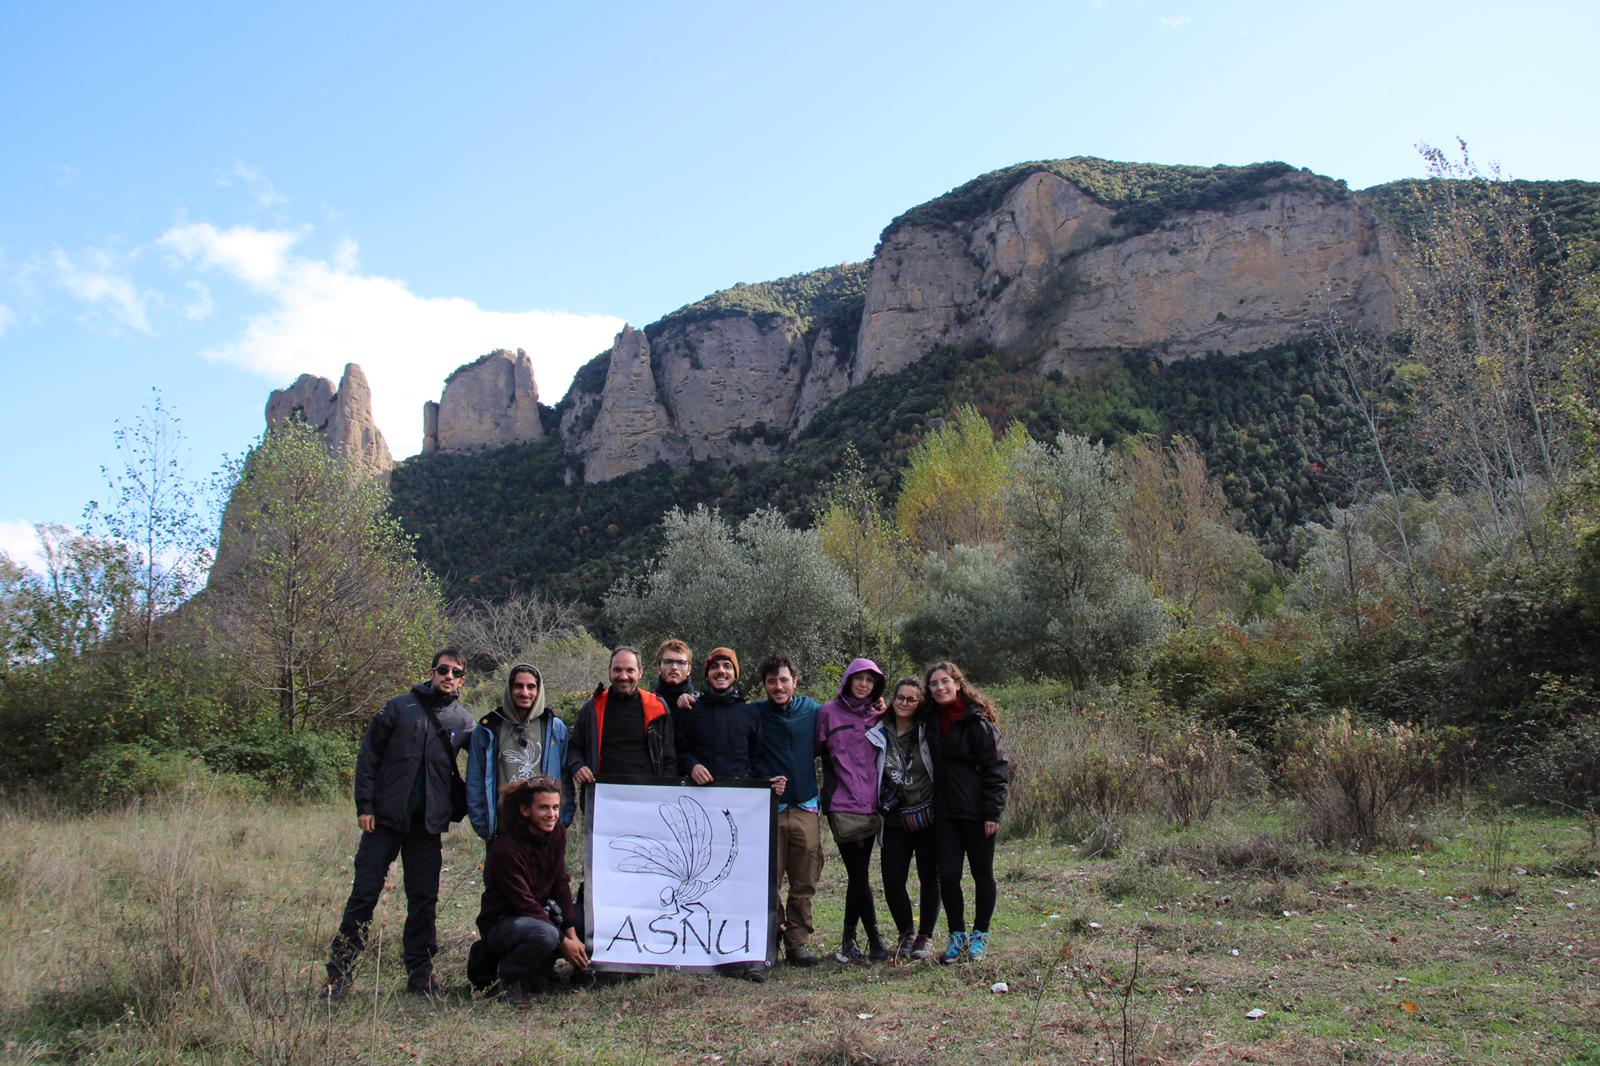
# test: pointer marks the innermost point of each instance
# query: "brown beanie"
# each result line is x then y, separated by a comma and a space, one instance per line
723, 653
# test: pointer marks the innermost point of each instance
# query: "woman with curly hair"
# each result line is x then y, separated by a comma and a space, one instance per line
970, 777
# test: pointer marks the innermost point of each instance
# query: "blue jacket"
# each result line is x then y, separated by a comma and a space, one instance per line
483, 801
789, 747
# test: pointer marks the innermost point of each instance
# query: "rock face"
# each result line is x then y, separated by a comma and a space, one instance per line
342, 415
1050, 277
489, 403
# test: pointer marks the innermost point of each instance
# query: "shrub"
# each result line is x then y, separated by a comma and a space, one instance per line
118, 773
303, 765
1075, 778
1562, 768
1357, 783
1197, 765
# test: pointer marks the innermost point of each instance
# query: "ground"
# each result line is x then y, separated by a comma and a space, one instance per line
194, 931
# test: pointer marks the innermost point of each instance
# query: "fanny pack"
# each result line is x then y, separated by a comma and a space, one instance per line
915, 819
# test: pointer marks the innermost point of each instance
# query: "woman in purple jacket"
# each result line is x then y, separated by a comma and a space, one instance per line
852, 764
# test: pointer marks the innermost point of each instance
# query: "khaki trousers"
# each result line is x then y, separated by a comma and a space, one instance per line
800, 859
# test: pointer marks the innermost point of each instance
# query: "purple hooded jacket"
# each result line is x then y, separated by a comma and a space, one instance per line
852, 760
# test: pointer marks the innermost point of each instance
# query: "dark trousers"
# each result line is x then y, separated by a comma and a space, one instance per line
858, 905
963, 840
522, 947
421, 857
898, 848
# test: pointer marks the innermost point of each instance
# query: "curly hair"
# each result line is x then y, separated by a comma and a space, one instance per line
970, 694
516, 793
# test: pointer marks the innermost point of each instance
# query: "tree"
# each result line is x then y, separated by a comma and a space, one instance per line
529, 629
153, 513
1491, 349
1094, 617
874, 556
328, 610
951, 491
760, 588
975, 612
1182, 535
80, 601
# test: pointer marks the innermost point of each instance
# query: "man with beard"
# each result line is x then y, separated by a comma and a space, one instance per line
622, 730
674, 683
517, 741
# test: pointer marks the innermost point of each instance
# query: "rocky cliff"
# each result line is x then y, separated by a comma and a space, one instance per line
1059, 265
343, 415
488, 403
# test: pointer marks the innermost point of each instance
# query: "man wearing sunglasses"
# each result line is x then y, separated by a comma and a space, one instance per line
517, 741
403, 782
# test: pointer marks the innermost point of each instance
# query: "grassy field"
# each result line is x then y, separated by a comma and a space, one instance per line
194, 931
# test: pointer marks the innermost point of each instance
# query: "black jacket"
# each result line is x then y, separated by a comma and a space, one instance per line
399, 739
970, 771
720, 732
583, 746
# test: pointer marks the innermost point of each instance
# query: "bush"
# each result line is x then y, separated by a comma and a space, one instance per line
1563, 767
304, 765
118, 773
1358, 783
1075, 778
1197, 765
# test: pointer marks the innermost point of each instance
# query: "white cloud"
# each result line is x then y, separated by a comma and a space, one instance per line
325, 313
1173, 22
18, 540
261, 189
8, 318
200, 305
103, 279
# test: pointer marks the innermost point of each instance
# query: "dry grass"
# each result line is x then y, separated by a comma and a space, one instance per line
195, 932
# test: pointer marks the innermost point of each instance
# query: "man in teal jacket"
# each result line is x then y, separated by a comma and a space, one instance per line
517, 741
789, 750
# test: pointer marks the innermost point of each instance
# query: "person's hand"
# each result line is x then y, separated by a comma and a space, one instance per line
700, 775
572, 950
991, 828
367, 822
583, 776
685, 701
779, 783
880, 705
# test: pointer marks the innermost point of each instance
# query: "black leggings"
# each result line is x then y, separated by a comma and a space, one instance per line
963, 839
858, 905
898, 848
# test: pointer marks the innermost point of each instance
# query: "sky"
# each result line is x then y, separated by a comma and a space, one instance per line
208, 200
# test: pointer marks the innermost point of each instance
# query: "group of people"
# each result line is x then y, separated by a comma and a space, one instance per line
924, 771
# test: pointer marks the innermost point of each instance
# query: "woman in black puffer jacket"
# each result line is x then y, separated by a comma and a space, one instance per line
970, 778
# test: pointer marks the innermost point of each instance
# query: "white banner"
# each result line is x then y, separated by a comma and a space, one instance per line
680, 876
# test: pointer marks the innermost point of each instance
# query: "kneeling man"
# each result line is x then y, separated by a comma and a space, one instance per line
527, 915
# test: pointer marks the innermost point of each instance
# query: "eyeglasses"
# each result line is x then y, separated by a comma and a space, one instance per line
674, 662
450, 671
908, 699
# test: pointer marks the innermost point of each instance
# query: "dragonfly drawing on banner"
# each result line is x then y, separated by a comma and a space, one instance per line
683, 857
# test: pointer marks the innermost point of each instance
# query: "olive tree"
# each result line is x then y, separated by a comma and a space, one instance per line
760, 587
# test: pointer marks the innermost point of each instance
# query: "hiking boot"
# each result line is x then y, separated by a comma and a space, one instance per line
902, 950
515, 994
957, 948
848, 952
334, 988
426, 985
977, 944
920, 951
800, 955
876, 952
755, 975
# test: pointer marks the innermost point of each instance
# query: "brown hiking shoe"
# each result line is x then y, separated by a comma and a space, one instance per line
800, 955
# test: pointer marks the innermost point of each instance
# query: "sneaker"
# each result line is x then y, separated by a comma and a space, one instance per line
919, 949
902, 950
335, 987
427, 985
977, 943
800, 955
957, 948
848, 952
876, 952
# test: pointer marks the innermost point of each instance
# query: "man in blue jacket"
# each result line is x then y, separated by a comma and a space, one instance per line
403, 783
789, 751
517, 741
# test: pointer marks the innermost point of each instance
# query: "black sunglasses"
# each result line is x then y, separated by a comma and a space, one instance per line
450, 671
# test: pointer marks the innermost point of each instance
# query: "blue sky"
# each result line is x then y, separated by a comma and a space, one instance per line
210, 199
